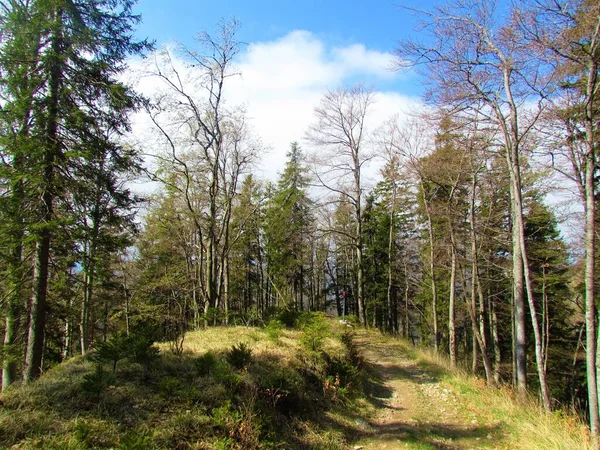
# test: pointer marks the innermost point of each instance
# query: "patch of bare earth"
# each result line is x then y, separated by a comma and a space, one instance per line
414, 408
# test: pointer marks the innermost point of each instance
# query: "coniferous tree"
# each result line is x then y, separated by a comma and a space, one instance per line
66, 111
287, 228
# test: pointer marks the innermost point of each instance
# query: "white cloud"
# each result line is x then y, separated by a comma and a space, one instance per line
356, 58
283, 80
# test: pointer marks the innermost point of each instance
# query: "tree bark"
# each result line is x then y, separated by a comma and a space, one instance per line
452, 301
37, 309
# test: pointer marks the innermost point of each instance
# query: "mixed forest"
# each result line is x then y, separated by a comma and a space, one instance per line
455, 246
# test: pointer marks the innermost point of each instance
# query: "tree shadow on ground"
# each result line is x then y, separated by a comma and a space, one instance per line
419, 434
434, 435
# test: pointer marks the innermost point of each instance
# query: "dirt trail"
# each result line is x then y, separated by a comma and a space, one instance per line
415, 409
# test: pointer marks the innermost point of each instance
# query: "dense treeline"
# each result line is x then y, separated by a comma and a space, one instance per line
454, 246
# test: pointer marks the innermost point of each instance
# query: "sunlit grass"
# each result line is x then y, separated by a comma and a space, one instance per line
185, 401
175, 404
522, 423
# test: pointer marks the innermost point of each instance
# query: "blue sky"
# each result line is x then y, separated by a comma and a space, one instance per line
376, 23
297, 51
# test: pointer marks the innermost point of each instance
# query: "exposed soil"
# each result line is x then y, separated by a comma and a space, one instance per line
415, 409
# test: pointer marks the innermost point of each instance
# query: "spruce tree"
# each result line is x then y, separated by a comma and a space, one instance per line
71, 107
288, 220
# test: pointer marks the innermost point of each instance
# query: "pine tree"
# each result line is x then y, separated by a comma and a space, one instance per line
70, 106
288, 224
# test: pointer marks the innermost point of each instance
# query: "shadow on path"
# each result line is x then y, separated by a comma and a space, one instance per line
428, 435
412, 422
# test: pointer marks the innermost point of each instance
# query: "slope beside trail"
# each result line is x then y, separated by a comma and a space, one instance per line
415, 408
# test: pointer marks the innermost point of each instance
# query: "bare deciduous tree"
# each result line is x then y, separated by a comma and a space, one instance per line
339, 132
208, 148
476, 65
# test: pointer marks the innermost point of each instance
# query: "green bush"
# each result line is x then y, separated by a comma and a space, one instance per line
138, 347
342, 370
353, 354
289, 318
213, 315
282, 389
274, 330
315, 330
98, 381
141, 347
239, 356
112, 351
169, 386
205, 364
137, 440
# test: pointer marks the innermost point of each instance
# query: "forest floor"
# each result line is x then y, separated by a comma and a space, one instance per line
359, 390
420, 404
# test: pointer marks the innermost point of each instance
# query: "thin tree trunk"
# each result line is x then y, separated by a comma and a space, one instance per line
14, 298
226, 291
436, 334
495, 343
452, 303
407, 331
519, 334
391, 312
478, 335
532, 312
362, 314
590, 292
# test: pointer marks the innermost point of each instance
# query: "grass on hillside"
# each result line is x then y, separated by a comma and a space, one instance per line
231, 388
523, 422
251, 388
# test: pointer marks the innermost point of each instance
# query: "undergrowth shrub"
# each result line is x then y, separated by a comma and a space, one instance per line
315, 329
169, 386
274, 330
138, 347
112, 351
289, 317
341, 369
205, 364
353, 354
140, 439
141, 348
98, 381
239, 356
282, 389
241, 423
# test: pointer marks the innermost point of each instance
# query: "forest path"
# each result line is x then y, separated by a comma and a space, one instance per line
414, 407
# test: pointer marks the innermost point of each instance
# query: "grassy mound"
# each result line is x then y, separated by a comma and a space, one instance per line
298, 383
238, 388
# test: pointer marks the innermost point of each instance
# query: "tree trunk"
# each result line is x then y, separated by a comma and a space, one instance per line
476, 292
590, 292
529, 288
391, 311
591, 324
226, 291
452, 303
362, 314
436, 334
519, 335
495, 342
37, 309
14, 298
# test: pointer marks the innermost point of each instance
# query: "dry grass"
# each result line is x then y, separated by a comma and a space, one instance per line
175, 403
527, 425
177, 406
